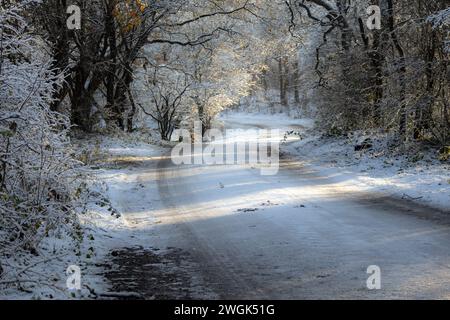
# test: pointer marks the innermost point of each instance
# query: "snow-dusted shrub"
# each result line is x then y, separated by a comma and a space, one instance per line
34, 166
441, 19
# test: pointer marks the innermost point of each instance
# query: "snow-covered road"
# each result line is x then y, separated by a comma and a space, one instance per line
294, 235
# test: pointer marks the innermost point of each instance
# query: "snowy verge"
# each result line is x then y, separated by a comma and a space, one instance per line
93, 229
111, 175
382, 167
45, 274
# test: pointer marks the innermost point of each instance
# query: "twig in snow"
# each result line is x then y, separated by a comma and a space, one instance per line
405, 196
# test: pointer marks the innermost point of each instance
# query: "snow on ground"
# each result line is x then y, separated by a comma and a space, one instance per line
123, 185
116, 146
294, 234
40, 276
43, 276
278, 120
100, 227
114, 182
417, 177
115, 185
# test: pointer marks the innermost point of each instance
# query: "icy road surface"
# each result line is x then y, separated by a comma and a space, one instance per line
294, 235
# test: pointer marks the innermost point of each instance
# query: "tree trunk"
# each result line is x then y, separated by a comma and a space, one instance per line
402, 70
123, 89
286, 81
283, 94
423, 112
377, 64
111, 80
296, 81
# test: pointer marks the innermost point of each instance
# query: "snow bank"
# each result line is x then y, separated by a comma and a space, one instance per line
382, 168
